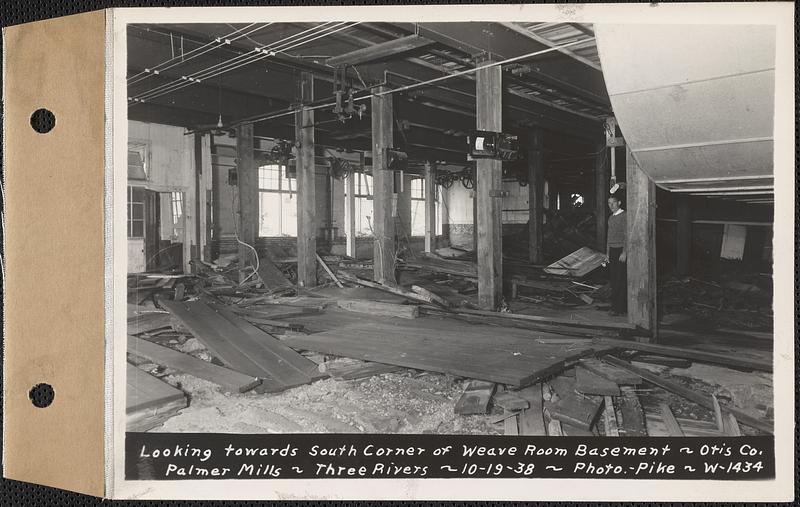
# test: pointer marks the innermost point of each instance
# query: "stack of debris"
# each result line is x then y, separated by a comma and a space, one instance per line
537, 374
741, 301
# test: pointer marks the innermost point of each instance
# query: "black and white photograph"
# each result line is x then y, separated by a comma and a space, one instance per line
450, 228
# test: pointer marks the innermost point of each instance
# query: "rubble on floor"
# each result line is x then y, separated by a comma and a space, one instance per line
355, 355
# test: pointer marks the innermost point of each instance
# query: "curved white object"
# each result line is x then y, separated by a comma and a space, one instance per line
694, 102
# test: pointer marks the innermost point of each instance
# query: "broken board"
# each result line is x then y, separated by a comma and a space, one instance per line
243, 347
378, 308
588, 382
577, 264
495, 354
531, 420
231, 380
572, 408
149, 401
610, 372
475, 398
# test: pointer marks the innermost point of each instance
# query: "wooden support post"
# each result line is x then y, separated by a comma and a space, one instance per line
350, 226
247, 184
198, 178
306, 187
214, 216
489, 185
602, 178
430, 207
535, 196
641, 247
383, 188
402, 189
683, 237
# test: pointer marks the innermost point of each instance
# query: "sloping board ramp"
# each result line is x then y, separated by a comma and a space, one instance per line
479, 352
149, 401
243, 347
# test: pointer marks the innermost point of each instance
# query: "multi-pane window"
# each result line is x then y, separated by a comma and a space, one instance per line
364, 217
176, 199
418, 208
135, 212
277, 202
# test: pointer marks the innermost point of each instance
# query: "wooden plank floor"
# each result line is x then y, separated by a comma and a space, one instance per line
242, 346
506, 356
229, 379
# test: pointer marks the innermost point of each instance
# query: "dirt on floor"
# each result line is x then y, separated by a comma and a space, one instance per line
407, 401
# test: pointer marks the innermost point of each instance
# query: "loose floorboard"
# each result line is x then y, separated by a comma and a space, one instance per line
149, 401
231, 380
242, 346
480, 352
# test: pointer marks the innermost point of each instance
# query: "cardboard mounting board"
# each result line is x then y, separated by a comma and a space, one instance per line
54, 321
62, 283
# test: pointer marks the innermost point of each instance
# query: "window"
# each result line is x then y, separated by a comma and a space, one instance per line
277, 203
137, 161
176, 199
363, 204
135, 212
418, 208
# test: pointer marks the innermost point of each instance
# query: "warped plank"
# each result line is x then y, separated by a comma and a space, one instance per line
506, 358
274, 280
242, 346
232, 380
691, 354
699, 398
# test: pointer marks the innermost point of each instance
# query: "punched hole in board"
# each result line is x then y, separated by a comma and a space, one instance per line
43, 121
42, 395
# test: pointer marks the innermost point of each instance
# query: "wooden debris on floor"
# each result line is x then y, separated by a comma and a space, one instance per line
510, 400
273, 278
691, 354
510, 357
231, 380
610, 417
436, 264
672, 424
243, 347
476, 398
701, 399
672, 362
569, 406
377, 308
328, 271
149, 401
631, 414
588, 382
148, 322
531, 419
578, 264
360, 370
610, 372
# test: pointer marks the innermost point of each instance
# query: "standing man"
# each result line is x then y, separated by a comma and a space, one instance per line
616, 257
